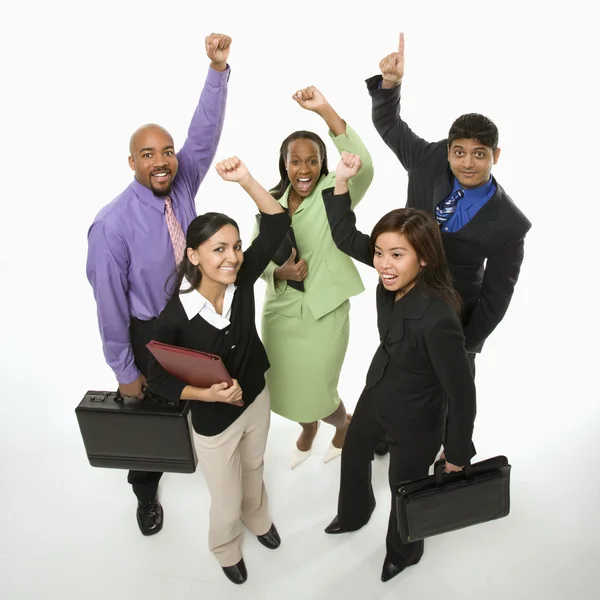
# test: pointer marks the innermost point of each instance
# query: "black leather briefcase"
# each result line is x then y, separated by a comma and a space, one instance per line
445, 502
140, 435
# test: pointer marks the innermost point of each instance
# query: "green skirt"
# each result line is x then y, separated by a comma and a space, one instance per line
306, 357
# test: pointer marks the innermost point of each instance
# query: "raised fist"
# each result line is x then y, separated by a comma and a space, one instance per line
217, 49
311, 98
232, 169
348, 166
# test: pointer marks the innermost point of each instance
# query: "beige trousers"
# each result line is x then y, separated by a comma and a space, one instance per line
232, 463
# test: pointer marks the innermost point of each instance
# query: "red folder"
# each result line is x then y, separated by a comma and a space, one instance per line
193, 367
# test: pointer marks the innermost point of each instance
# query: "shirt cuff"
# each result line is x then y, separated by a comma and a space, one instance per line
128, 375
274, 286
218, 78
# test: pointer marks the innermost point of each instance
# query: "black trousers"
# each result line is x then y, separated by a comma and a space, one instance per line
411, 455
144, 483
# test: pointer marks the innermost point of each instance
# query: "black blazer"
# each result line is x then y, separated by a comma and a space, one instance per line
421, 361
237, 344
496, 233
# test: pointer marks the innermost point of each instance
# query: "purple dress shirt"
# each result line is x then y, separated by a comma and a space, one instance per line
130, 254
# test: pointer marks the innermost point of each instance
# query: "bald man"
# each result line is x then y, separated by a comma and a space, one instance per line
136, 240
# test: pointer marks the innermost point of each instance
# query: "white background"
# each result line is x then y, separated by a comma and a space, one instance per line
78, 78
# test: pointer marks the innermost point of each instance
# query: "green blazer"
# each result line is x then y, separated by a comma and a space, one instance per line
332, 276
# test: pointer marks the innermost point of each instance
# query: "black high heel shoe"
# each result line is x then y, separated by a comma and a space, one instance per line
391, 570
335, 527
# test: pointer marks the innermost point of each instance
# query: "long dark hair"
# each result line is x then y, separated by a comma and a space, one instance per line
423, 233
201, 229
278, 190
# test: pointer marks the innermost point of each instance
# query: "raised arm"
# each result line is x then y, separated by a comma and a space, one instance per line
274, 222
342, 220
312, 99
204, 133
343, 136
384, 89
107, 267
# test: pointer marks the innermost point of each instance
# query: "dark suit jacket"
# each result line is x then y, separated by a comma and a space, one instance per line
495, 236
421, 361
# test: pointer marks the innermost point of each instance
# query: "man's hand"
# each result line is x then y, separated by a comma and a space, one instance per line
233, 169
292, 271
311, 98
133, 389
348, 167
392, 67
217, 49
221, 392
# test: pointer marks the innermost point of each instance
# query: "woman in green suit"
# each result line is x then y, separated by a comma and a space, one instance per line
306, 331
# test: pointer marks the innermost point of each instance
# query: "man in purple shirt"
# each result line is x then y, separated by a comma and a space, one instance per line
131, 255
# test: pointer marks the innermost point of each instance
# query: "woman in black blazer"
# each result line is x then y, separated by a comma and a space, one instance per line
212, 310
420, 371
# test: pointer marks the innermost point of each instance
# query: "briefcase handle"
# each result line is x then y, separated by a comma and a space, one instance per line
148, 397
439, 471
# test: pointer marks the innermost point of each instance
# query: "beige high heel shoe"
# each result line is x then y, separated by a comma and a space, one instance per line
299, 456
332, 451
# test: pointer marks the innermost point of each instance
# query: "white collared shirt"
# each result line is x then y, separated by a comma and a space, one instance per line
195, 303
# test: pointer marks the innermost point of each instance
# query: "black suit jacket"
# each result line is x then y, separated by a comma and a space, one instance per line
421, 361
484, 256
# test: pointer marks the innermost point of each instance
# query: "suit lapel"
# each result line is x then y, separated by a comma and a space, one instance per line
412, 306
485, 218
487, 215
442, 187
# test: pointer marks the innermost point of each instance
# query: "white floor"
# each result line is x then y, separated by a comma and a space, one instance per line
68, 531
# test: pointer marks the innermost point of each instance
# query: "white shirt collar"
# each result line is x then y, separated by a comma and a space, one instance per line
194, 302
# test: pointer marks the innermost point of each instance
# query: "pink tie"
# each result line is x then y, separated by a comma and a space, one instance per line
175, 231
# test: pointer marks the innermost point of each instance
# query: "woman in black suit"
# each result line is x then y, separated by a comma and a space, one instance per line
420, 373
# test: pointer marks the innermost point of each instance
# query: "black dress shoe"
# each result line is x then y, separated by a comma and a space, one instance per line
150, 517
271, 539
237, 573
391, 570
382, 448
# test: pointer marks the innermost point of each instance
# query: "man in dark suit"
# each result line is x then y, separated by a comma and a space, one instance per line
482, 229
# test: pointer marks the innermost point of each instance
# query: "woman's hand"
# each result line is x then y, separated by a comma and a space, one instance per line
233, 169
311, 98
222, 392
291, 270
348, 167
